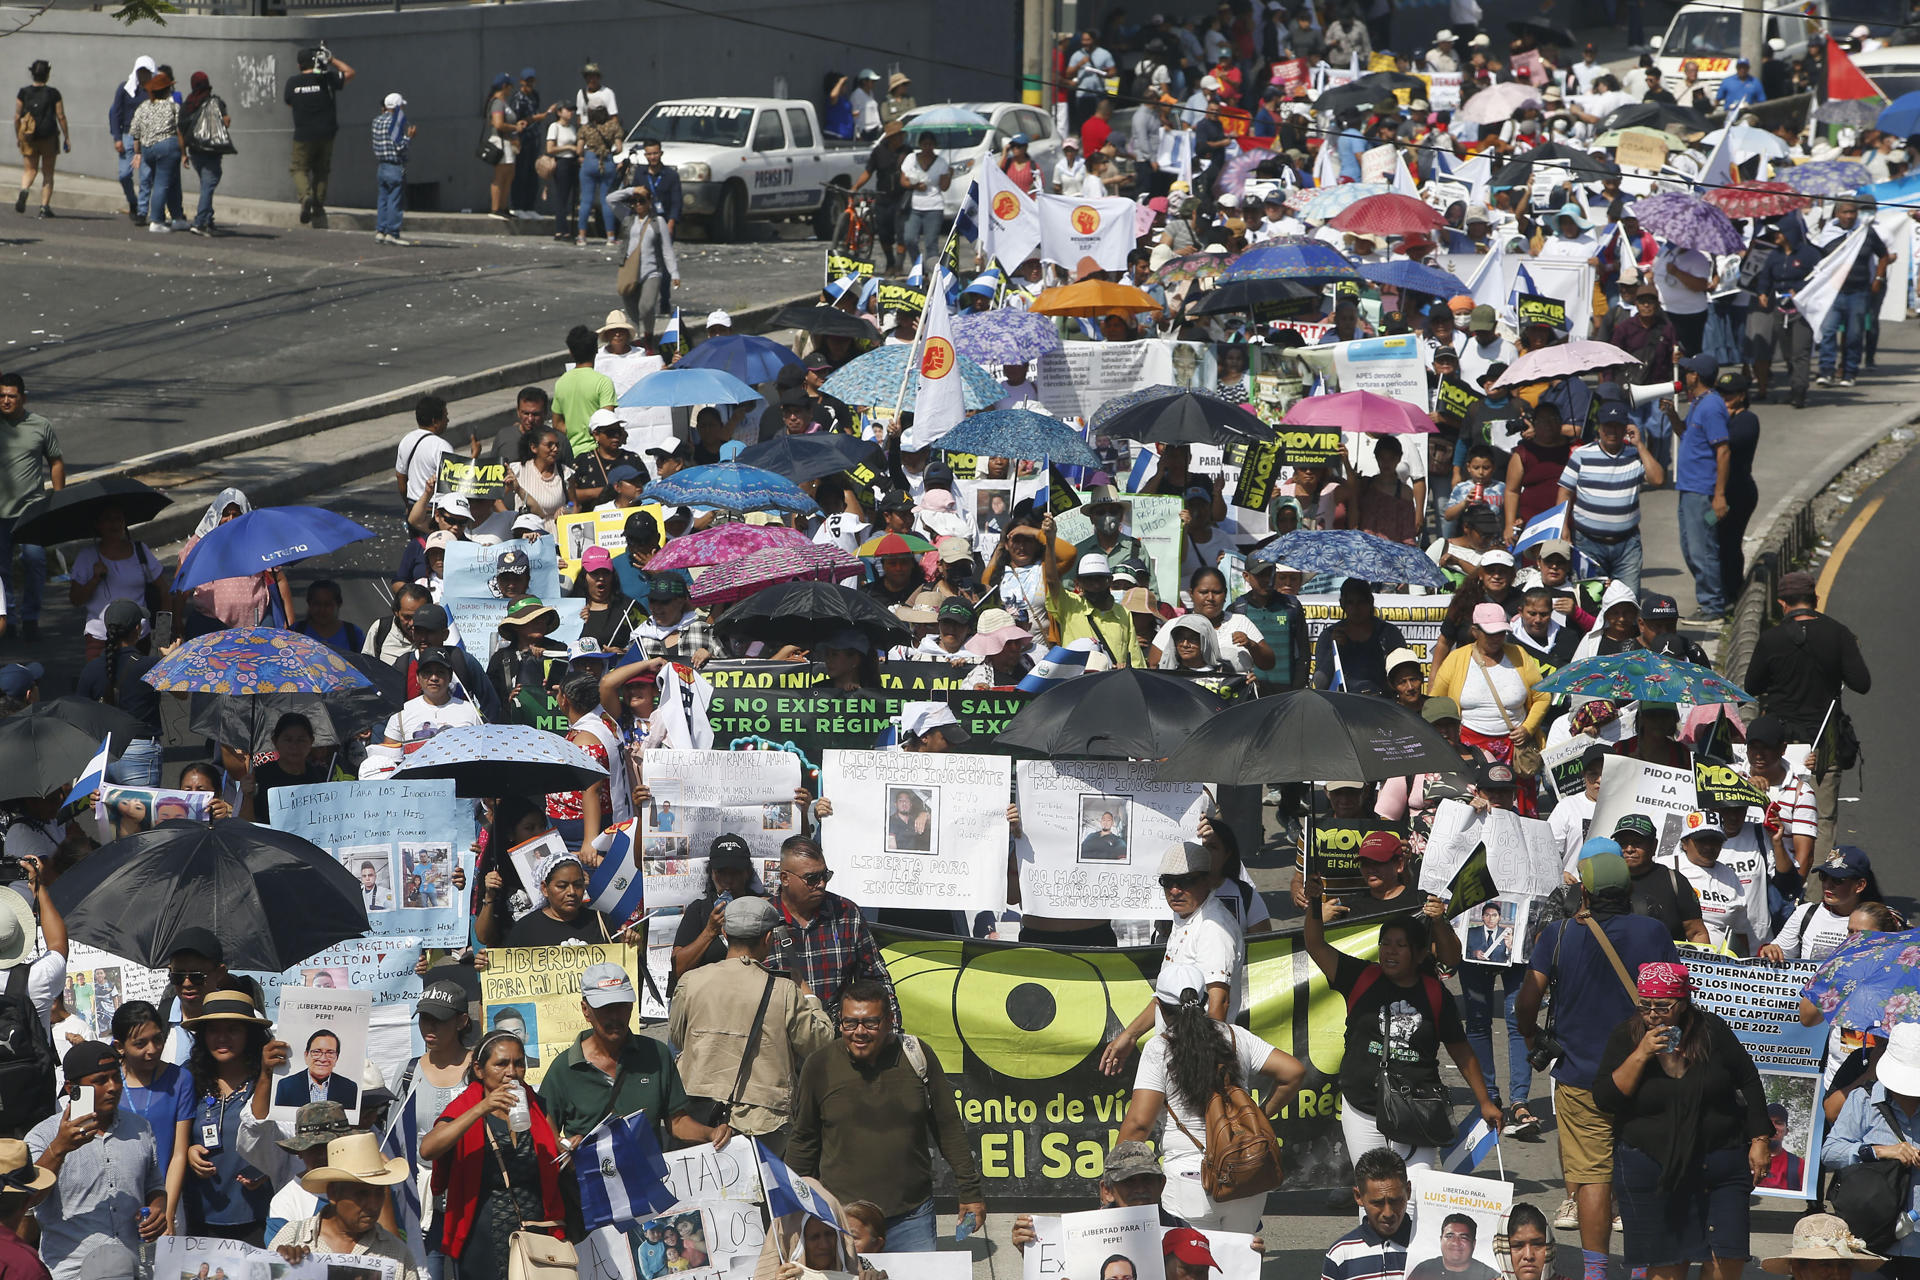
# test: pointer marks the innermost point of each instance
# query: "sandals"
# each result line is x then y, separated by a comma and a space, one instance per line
1521, 1124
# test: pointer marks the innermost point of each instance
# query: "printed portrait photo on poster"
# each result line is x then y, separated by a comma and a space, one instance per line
1103, 829
372, 866
912, 819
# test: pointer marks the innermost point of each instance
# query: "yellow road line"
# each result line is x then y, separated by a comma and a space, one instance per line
1831, 570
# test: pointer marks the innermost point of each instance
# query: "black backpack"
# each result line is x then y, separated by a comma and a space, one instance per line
26, 1056
1871, 1196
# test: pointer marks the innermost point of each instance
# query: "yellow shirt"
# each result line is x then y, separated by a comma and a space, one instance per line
1079, 620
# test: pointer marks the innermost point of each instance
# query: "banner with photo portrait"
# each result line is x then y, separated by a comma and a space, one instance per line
697, 796
1455, 1222
1151, 518
534, 992
99, 982
127, 811
918, 830
326, 1030
1092, 833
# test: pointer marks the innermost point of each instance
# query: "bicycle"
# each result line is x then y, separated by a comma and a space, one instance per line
854, 230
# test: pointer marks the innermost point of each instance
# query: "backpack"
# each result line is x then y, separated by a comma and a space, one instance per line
1241, 1156
1870, 1196
26, 1056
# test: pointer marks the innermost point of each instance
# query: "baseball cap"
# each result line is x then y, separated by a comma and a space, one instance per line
1094, 565
454, 504
605, 984
1199, 493
17, 679
1613, 412
1557, 547
1491, 617
430, 617
439, 540
1703, 366
514, 561
1176, 977
1342, 784
1655, 605
1130, 1160
1703, 824
1434, 710
1638, 825
954, 609
1767, 731
720, 319
750, 918
526, 522
1593, 759
1493, 773
728, 851
394, 100
953, 549
921, 718
1847, 862
1604, 871
1190, 1247
441, 999
87, 1058
436, 656
1795, 585
595, 558
605, 420
1597, 845
200, 941
1380, 846
630, 472
1732, 380
1499, 555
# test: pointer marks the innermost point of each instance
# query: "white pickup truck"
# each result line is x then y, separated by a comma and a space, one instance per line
741, 158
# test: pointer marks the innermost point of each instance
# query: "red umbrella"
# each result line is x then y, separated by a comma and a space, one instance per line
1360, 411
1757, 200
1391, 214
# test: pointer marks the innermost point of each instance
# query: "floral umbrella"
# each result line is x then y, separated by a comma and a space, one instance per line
1872, 980
254, 660
1827, 177
724, 542
1642, 674
738, 579
1688, 222
1192, 266
1004, 336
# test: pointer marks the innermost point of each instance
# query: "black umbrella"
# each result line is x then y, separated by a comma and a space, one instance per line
337, 716
40, 755
271, 898
804, 458
1355, 93
1129, 714
823, 320
95, 719
1578, 166
1181, 417
1311, 736
1652, 115
67, 515
805, 613
1544, 32
1249, 295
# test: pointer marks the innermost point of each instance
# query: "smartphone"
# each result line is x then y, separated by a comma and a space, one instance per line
82, 1101
163, 628
965, 1227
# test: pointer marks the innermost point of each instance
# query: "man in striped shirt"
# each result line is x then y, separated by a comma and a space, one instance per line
1600, 486
1377, 1248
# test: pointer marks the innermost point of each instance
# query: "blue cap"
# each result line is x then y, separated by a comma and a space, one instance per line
1599, 845
1705, 367
1019, 140
1613, 411
17, 680
627, 471
502, 78
731, 450
528, 73
984, 287
1846, 862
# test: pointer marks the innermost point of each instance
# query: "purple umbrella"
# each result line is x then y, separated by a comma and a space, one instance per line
1827, 178
724, 542
1004, 336
1564, 361
1688, 222
738, 579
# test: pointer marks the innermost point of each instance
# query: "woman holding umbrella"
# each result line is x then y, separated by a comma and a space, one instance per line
115, 567
229, 602
232, 1065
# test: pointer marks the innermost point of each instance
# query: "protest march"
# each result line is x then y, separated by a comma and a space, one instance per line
1149, 708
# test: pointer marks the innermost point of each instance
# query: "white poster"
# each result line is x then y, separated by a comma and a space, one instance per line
99, 982
922, 830
606, 1254
1154, 521
1073, 230
526, 858
1113, 1244
1079, 377
1571, 282
1522, 855
1390, 367
1665, 794
1235, 1253
1046, 1257
326, 1029
951, 1264
210, 1258
1455, 1220
699, 795
1092, 833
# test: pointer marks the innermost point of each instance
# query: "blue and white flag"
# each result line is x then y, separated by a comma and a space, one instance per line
92, 778
402, 1138
1541, 528
1143, 464
1473, 1143
1062, 663
917, 278
616, 887
788, 1193
622, 1175
670, 336
1522, 283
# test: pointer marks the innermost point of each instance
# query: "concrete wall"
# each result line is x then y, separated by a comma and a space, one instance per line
442, 59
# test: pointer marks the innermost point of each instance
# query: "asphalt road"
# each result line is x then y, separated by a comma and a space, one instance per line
132, 342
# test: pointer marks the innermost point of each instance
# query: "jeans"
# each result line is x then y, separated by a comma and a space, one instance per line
136, 198
311, 163
922, 235
206, 166
1700, 547
913, 1232
1618, 560
1476, 990
1850, 310
393, 190
159, 171
138, 765
23, 594
566, 194
596, 179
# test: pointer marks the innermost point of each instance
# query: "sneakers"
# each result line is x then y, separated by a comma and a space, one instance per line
158, 227
1823, 380
380, 237
198, 230
20, 201
396, 240
306, 210
1568, 1219
1846, 382
46, 211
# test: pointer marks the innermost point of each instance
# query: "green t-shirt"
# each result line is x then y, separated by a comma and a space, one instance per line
27, 450
575, 1094
576, 395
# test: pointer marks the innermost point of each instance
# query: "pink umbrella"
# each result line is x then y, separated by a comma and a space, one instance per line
724, 542
738, 579
1360, 411
1563, 361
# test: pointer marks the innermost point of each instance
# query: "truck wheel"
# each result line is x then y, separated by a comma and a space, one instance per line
827, 218
730, 220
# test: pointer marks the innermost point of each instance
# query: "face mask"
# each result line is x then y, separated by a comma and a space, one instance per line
1106, 524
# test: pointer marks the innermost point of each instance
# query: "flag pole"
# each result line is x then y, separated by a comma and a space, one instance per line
920, 336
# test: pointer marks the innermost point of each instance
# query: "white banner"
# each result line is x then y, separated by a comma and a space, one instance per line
1664, 794
1092, 833
699, 795
914, 830
1079, 377
1073, 230
1418, 618
1091, 1240
1522, 856
1571, 282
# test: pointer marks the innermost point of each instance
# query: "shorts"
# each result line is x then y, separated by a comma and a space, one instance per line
1706, 1217
1586, 1136
41, 148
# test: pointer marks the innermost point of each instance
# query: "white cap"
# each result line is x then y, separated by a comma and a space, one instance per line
529, 523
1175, 978
1210, 83
719, 318
1480, 41
1072, 141
1443, 35
604, 418
439, 540
1093, 564
454, 504
395, 100
1499, 555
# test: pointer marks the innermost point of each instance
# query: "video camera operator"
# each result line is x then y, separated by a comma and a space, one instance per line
311, 95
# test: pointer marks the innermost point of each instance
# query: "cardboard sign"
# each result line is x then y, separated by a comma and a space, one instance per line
1641, 152
471, 479
1724, 787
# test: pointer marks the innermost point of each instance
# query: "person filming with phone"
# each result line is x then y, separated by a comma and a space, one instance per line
107, 1181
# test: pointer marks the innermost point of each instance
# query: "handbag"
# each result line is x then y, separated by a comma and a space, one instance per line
533, 1255
1526, 756
714, 1112
1871, 1197
1411, 1111
544, 166
1241, 1156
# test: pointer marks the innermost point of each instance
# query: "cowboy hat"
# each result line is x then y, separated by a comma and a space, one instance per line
18, 1172
18, 929
226, 1006
616, 319
1105, 495
355, 1158
1822, 1237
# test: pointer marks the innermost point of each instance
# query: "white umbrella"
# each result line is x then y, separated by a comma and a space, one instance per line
1746, 142
1490, 106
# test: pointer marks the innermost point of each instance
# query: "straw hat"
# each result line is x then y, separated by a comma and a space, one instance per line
355, 1158
1822, 1237
616, 319
18, 1172
17, 929
227, 1006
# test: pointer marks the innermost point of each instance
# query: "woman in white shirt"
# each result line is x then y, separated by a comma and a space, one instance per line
115, 567
539, 485
1180, 1070
563, 148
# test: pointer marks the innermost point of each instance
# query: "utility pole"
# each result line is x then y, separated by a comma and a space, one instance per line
1036, 51
1753, 31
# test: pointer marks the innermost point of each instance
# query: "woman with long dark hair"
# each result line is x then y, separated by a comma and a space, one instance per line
1691, 1133
206, 160
503, 895
1193, 1058
226, 1197
159, 1092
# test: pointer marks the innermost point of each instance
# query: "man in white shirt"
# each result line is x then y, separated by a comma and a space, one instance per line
866, 106
417, 462
1725, 904
595, 94
436, 709
1586, 73
1747, 854
1204, 935
925, 176
1571, 814
619, 358
1275, 221
1019, 389
1680, 277
1484, 346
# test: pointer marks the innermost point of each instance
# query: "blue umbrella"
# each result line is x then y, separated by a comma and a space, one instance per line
674, 388
1353, 554
1827, 178
1645, 675
263, 539
1404, 273
875, 379
1004, 336
1321, 262
1871, 981
1901, 117
728, 486
1022, 434
750, 358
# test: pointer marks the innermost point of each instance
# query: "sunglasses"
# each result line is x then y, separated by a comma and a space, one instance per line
195, 977
1659, 1006
813, 879
1188, 881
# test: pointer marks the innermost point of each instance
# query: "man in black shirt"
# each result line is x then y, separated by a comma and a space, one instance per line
883, 169
1659, 892
315, 122
592, 483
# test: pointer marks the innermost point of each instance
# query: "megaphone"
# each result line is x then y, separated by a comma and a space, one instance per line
1652, 391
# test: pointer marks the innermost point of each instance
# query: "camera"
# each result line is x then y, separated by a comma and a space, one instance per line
322, 57
1545, 1052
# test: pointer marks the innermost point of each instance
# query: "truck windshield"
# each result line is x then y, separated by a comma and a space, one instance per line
1703, 33
706, 123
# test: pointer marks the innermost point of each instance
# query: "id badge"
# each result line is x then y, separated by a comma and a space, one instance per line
210, 1135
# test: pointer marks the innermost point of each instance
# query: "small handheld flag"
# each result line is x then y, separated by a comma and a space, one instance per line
622, 1175
788, 1193
616, 887
92, 778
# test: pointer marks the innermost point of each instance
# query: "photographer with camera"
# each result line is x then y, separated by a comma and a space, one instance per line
743, 1027
1588, 963
310, 95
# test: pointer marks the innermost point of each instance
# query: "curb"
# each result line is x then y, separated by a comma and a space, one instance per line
1790, 535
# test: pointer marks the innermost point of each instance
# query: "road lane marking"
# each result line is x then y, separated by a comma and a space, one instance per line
1831, 570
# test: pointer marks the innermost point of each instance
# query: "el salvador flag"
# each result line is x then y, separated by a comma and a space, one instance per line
617, 886
1544, 528
622, 1175
1473, 1143
1062, 663
917, 278
1522, 283
786, 1193
670, 336
92, 778
402, 1138
1143, 462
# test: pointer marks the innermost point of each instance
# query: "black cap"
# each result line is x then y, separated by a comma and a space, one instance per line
1767, 731
89, 1057
1654, 605
954, 609
438, 655
430, 617
938, 475
729, 851
200, 941
1593, 759
1494, 773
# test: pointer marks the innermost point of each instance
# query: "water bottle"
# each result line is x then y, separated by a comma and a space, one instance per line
143, 1267
1904, 1225
520, 1118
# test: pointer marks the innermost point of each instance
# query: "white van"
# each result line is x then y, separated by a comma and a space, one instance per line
1710, 34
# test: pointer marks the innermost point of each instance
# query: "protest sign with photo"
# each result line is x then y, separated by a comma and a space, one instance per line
697, 796
1092, 833
1663, 794
1494, 932
673, 1243
474, 602
127, 811
400, 841
99, 982
918, 830
699, 1172
1152, 518
526, 857
1522, 855
1077, 378
534, 992
1760, 1001
1094, 1240
1455, 1221
326, 1029
734, 1230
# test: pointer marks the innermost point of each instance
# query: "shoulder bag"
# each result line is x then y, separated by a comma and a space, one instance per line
490, 150
1408, 1111
533, 1255
714, 1112
1241, 1156
1526, 756
1871, 1197
210, 136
